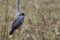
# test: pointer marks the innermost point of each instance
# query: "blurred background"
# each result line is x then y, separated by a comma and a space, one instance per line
42, 19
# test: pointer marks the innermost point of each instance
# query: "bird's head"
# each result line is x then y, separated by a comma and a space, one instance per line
21, 14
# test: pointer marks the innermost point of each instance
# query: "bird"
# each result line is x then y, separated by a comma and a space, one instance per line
17, 22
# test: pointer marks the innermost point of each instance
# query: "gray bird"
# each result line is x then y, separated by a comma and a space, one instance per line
17, 22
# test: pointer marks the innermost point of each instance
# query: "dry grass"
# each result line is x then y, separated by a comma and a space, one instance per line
42, 20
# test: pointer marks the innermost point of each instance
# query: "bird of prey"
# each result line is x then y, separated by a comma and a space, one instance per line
17, 22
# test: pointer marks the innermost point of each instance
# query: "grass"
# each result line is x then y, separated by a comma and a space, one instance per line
41, 26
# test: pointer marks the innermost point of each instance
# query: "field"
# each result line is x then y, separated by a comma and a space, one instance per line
42, 20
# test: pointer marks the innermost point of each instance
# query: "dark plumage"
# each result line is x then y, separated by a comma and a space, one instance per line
18, 22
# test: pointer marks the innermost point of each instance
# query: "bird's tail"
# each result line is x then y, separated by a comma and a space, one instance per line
11, 32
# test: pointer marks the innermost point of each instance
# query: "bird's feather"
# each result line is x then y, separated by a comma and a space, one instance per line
18, 22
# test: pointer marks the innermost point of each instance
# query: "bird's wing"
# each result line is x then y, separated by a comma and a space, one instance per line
18, 22
15, 20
